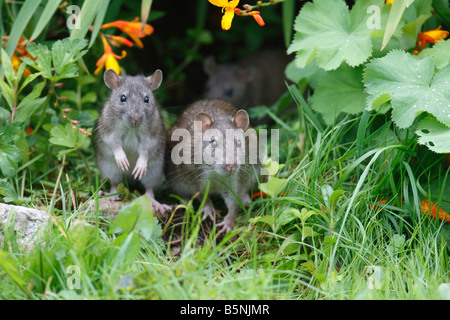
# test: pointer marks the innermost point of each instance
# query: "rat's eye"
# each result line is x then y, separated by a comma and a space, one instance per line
229, 92
123, 98
146, 99
214, 144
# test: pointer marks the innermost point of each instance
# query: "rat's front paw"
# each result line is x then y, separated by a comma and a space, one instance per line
140, 169
121, 160
246, 200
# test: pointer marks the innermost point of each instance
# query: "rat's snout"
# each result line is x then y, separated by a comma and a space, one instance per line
230, 168
135, 121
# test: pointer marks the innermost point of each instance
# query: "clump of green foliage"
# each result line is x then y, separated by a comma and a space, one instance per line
339, 217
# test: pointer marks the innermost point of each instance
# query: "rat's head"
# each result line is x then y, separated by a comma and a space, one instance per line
223, 141
132, 97
227, 82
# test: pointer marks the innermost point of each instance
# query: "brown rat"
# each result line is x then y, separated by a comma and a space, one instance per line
188, 168
130, 136
257, 79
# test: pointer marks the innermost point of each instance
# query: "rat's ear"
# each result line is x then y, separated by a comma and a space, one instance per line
241, 119
112, 79
210, 66
205, 119
154, 81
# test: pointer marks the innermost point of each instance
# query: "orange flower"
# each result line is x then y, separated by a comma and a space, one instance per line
425, 204
431, 36
258, 18
19, 53
109, 58
117, 41
133, 29
380, 202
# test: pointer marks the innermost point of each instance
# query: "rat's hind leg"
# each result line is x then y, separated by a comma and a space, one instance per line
159, 209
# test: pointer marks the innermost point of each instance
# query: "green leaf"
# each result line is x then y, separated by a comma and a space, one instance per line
411, 85
27, 110
287, 216
47, 14
129, 248
270, 220
7, 190
26, 12
87, 14
290, 245
99, 18
328, 32
305, 214
65, 53
43, 61
308, 232
137, 217
272, 187
67, 137
8, 68
90, 97
8, 93
440, 53
434, 135
339, 91
9, 265
287, 11
332, 201
398, 7
30, 78
146, 6
312, 73
33, 95
9, 158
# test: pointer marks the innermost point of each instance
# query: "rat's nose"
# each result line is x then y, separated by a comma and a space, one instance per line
230, 167
135, 121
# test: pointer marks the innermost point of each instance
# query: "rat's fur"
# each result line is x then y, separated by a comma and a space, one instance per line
130, 137
188, 179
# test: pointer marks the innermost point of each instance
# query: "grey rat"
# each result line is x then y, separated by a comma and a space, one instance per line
228, 179
257, 79
130, 136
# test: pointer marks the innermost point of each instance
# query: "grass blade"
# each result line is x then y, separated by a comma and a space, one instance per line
287, 11
46, 15
88, 12
398, 7
26, 12
100, 17
146, 6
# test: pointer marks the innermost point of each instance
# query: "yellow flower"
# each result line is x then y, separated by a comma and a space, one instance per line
390, 1
228, 7
108, 59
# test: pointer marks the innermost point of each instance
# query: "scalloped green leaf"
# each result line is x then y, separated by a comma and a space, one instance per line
339, 91
440, 53
412, 86
327, 31
434, 135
